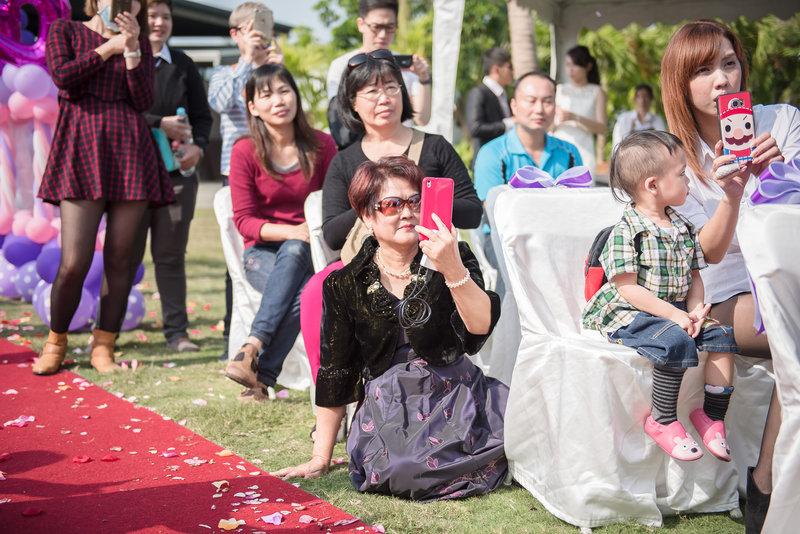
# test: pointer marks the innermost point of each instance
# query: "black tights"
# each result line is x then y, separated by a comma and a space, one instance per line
80, 220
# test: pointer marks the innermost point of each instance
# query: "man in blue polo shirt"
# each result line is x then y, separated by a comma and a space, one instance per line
533, 108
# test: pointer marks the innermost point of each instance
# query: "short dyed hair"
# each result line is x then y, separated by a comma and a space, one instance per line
371, 175
90, 9
495, 56
243, 13
694, 44
355, 79
528, 74
638, 156
365, 6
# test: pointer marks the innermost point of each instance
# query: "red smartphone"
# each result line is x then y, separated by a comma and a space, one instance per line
437, 197
736, 125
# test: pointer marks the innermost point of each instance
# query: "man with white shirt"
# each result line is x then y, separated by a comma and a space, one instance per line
488, 114
377, 23
639, 118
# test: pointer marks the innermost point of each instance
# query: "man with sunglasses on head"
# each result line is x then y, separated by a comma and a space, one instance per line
377, 23
225, 96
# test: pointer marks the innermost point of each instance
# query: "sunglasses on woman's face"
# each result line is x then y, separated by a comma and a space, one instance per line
393, 205
360, 59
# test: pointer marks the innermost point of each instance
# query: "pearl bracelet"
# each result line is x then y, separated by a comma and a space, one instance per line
460, 282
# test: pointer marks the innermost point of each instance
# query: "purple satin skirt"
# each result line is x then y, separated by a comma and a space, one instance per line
429, 432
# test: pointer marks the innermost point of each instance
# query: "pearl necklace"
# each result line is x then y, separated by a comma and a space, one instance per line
379, 261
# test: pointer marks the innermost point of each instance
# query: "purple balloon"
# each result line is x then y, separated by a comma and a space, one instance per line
139, 274
5, 92
19, 250
8, 75
135, 312
50, 244
94, 279
8, 278
84, 313
27, 280
38, 291
2, 239
32, 81
47, 263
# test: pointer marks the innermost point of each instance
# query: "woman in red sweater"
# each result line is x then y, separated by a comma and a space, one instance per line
272, 172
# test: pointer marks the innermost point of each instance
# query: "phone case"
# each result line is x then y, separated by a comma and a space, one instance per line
262, 21
437, 197
736, 125
120, 6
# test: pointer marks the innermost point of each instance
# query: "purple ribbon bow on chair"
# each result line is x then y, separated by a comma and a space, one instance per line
779, 183
535, 178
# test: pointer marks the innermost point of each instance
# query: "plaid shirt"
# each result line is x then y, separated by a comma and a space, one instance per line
226, 97
664, 266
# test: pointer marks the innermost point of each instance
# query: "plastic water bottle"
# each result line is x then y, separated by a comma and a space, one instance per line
184, 118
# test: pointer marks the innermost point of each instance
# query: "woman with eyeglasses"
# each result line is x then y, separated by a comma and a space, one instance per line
429, 424
273, 170
374, 101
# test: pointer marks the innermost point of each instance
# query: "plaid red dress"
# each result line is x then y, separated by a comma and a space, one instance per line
102, 147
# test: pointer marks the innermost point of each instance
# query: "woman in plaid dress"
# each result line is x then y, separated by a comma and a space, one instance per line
103, 160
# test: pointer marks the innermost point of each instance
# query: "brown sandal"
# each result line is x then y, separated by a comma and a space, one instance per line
53, 353
243, 366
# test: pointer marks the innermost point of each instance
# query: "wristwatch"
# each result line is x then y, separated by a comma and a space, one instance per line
135, 53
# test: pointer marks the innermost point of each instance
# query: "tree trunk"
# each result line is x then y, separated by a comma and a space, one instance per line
523, 38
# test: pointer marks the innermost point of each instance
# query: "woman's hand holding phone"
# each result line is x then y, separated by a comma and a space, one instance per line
441, 248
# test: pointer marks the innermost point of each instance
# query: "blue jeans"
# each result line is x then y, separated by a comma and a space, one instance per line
279, 271
665, 343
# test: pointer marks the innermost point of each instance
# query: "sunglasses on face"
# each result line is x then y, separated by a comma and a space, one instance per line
393, 205
360, 59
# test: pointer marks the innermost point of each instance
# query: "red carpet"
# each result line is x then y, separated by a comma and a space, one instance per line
145, 474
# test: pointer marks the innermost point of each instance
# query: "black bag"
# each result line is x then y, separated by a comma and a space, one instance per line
343, 137
594, 275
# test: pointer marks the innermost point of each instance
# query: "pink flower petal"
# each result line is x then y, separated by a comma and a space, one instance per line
109, 458
273, 519
199, 402
306, 519
380, 529
283, 394
81, 460
32, 511
4, 456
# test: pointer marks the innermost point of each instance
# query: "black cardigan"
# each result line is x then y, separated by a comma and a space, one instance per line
360, 328
178, 84
437, 159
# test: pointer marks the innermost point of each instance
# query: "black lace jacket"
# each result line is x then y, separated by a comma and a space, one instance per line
360, 327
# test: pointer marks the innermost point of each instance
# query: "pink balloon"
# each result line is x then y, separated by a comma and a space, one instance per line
21, 220
45, 110
21, 107
4, 113
32, 81
39, 230
6, 222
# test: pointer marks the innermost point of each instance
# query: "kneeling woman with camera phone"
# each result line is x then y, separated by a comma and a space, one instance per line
103, 160
395, 339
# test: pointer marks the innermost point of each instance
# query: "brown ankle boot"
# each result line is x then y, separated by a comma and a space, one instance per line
103, 351
55, 348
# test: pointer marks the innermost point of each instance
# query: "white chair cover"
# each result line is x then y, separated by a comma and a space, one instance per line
506, 336
577, 404
321, 253
767, 236
296, 372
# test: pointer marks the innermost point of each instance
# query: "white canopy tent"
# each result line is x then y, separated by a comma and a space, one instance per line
566, 18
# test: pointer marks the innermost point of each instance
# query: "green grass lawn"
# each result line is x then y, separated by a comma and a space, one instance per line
276, 435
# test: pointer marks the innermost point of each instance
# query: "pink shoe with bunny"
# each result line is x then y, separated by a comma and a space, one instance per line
712, 433
673, 439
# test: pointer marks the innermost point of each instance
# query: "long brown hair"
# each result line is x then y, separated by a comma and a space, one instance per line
305, 138
693, 45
